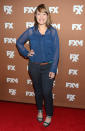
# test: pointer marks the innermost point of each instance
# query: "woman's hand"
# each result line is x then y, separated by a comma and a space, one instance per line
31, 53
51, 75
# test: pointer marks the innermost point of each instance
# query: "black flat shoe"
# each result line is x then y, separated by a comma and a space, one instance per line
46, 124
40, 119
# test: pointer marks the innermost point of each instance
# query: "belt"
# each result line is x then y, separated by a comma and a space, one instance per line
43, 63
40, 63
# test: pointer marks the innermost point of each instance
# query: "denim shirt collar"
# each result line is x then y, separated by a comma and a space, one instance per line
36, 28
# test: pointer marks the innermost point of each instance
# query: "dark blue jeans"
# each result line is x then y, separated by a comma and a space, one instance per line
42, 86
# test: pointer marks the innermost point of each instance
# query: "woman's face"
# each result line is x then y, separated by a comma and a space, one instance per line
41, 18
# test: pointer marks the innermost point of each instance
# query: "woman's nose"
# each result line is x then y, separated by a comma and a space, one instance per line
41, 15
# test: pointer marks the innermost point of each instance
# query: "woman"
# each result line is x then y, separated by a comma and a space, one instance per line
43, 59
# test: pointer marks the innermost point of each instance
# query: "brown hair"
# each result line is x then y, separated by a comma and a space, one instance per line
42, 8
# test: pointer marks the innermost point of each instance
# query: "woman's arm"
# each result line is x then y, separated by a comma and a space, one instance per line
21, 41
56, 51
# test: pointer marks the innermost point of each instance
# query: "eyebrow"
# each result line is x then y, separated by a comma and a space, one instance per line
42, 12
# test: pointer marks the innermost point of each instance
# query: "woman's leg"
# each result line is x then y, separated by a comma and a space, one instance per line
47, 85
34, 72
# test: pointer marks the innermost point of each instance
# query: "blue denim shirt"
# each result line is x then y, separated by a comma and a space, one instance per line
46, 47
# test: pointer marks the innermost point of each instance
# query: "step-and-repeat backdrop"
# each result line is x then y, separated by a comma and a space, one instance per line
68, 17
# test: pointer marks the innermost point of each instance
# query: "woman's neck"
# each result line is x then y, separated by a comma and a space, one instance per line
42, 27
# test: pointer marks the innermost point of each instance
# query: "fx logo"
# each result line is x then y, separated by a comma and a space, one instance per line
11, 67
53, 96
75, 43
10, 54
30, 93
74, 57
72, 85
29, 82
9, 25
54, 83
71, 97
78, 9
54, 10
29, 9
73, 72
12, 91
76, 26
56, 26
8, 9
12, 80
10, 40
29, 24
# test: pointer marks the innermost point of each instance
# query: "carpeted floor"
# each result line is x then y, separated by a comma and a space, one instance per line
22, 117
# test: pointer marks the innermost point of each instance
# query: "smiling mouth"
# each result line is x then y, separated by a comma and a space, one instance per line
41, 20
